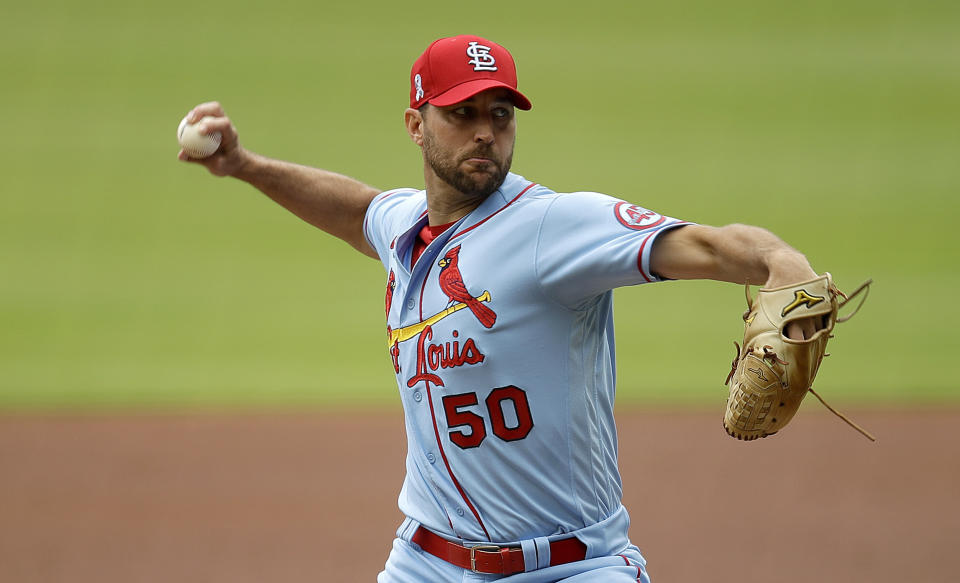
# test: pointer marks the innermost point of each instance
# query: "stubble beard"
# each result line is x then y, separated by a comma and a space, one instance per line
479, 185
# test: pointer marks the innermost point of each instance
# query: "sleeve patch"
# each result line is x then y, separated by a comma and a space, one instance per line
637, 218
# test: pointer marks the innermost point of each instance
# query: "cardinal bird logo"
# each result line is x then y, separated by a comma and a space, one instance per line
391, 285
451, 282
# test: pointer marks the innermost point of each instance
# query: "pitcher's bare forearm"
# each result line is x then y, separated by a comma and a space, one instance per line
329, 201
332, 202
734, 253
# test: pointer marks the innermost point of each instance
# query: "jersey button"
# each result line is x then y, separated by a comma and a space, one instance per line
411, 303
431, 458
417, 396
460, 511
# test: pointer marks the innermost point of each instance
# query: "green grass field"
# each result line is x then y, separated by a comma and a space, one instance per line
130, 279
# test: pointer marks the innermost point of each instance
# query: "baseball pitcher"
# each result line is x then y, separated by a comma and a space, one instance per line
499, 326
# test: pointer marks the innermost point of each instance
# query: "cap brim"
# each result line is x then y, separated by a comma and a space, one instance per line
465, 91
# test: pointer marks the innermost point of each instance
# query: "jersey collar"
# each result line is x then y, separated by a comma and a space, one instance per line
514, 186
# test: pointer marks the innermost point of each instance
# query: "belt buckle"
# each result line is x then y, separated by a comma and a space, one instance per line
486, 548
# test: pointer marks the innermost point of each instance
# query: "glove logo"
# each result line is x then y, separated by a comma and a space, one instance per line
759, 372
637, 218
801, 298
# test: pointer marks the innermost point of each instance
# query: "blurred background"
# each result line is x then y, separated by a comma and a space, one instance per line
130, 279
194, 383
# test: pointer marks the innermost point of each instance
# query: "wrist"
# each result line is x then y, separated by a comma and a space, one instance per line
787, 267
247, 165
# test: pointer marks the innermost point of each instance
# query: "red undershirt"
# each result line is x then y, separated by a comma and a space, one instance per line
427, 234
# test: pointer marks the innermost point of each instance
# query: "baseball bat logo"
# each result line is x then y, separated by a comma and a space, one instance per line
408, 332
461, 351
451, 283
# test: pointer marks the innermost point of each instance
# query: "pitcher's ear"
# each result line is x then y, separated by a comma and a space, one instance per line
414, 122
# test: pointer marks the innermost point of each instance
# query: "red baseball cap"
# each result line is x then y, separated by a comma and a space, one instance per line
455, 69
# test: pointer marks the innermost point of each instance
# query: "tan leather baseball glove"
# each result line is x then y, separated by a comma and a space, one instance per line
772, 373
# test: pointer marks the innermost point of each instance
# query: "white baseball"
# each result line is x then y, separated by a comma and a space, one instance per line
194, 143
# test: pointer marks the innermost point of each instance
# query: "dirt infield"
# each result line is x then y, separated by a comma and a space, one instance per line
312, 497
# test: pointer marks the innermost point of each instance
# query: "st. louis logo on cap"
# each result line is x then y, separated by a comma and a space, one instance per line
480, 57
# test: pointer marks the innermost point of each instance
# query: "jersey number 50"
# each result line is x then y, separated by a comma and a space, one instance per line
475, 428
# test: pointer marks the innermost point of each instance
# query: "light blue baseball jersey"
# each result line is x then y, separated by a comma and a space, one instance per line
501, 337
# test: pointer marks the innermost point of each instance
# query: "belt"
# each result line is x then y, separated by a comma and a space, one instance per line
494, 559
